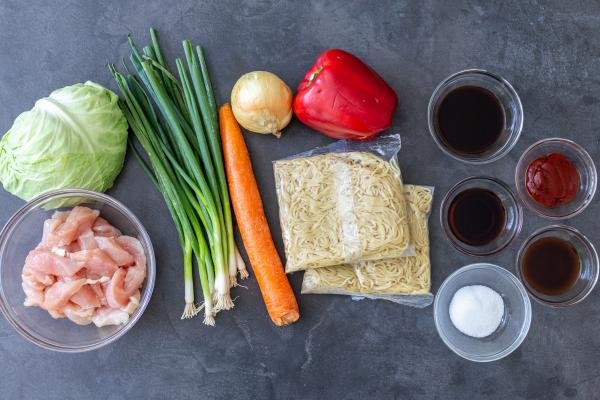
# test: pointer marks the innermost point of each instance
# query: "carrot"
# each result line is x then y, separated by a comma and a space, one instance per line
252, 222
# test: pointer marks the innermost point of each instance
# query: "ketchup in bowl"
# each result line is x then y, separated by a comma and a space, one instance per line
552, 180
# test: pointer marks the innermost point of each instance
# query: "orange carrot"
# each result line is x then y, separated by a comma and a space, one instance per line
252, 222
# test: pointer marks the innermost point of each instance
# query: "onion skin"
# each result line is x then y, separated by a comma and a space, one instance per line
262, 102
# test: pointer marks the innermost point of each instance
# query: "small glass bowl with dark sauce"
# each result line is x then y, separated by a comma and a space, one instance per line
558, 266
475, 116
481, 216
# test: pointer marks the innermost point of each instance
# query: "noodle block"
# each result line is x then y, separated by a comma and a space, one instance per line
386, 277
340, 208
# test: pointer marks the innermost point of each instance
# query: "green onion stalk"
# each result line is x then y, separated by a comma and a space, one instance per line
175, 121
143, 122
206, 99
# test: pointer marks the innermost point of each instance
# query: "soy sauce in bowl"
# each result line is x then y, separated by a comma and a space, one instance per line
477, 216
475, 116
470, 119
480, 216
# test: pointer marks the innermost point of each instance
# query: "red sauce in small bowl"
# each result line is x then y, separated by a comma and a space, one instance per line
552, 180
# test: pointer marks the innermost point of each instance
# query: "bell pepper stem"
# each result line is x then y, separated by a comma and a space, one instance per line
313, 76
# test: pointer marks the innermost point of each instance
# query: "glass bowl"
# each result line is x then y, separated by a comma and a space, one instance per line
588, 275
512, 226
513, 327
587, 177
23, 232
506, 95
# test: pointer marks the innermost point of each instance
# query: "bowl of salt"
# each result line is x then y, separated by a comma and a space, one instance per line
482, 312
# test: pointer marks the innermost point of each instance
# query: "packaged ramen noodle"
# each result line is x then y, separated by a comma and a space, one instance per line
341, 204
405, 280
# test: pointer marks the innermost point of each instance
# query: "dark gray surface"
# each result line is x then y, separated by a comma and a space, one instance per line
340, 348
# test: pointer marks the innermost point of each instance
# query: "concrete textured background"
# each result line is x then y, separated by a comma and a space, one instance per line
340, 349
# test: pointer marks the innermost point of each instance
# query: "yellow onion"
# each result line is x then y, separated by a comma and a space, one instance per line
262, 102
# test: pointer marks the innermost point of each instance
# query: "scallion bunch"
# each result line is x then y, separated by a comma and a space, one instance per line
175, 120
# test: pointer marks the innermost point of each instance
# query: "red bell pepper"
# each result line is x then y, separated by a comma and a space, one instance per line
344, 98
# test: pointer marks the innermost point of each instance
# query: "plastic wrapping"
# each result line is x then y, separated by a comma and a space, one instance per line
405, 280
342, 203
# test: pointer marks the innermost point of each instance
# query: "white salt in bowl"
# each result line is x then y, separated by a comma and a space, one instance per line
515, 322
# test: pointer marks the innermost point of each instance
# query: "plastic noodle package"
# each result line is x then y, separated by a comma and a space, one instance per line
405, 280
342, 203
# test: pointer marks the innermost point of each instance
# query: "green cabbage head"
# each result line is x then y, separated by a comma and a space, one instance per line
75, 138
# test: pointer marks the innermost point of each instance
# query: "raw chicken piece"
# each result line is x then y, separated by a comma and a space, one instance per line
47, 262
136, 274
58, 295
86, 240
134, 302
103, 279
36, 278
34, 284
56, 314
35, 295
49, 236
81, 274
112, 247
86, 298
72, 247
135, 277
103, 228
59, 251
85, 270
109, 316
97, 288
134, 247
79, 220
61, 215
115, 293
78, 315
96, 262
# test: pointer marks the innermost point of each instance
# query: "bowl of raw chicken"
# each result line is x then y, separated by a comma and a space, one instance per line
77, 270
